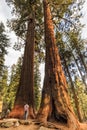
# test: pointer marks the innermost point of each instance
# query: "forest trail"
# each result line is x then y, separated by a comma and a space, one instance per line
35, 126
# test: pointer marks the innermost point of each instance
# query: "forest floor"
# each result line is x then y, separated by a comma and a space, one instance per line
35, 126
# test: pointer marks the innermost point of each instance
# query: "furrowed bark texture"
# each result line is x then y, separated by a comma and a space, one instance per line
55, 103
25, 92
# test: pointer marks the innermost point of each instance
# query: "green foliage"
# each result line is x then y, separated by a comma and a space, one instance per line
4, 89
76, 40
22, 11
4, 43
82, 97
4, 83
9, 96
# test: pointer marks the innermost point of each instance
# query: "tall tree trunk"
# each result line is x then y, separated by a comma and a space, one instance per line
55, 103
74, 93
80, 72
83, 63
82, 59
25, 92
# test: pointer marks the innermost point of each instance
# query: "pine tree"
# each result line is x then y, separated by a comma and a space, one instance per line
4, 91
82, 96
4, 43
14, 81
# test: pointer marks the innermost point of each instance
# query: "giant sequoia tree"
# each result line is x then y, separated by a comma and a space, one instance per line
25, 22
55, 103
25, 93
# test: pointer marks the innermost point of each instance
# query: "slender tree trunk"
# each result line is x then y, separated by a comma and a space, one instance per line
80, 72
74, 93
82, 59
55, 103
25, 92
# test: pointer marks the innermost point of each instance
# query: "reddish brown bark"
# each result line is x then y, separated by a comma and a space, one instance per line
55, 103
25, 92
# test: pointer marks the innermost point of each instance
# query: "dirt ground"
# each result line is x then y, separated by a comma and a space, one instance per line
31, 126
34, 126
22, 127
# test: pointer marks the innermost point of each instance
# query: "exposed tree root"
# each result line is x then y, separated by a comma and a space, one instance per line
53, 123
47, 125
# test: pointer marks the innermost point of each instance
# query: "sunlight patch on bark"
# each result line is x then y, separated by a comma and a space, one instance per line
47, 99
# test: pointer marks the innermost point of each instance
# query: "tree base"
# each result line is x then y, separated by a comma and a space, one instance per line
61, 121
18, 112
